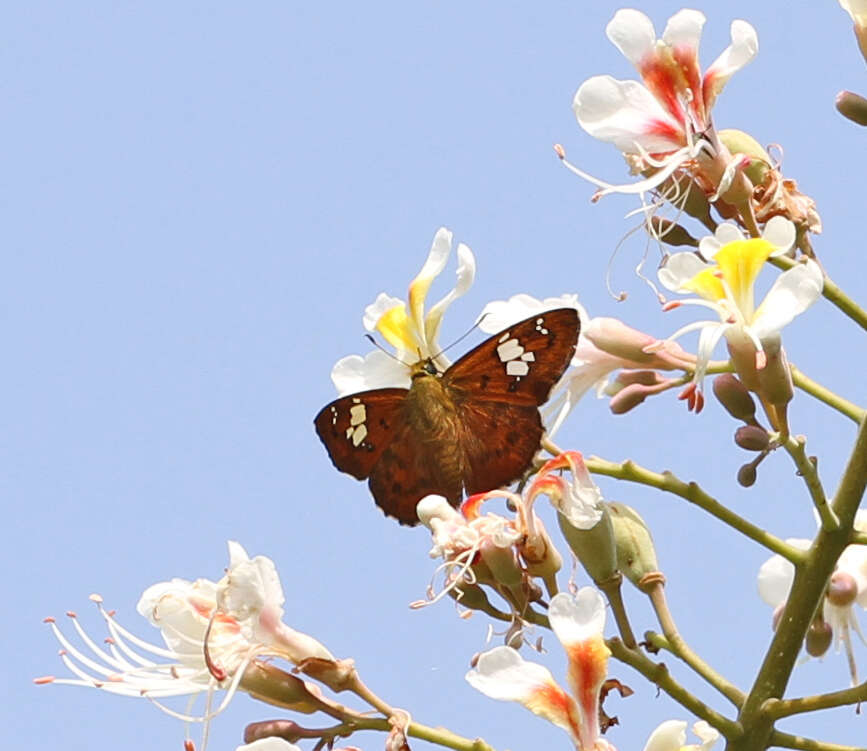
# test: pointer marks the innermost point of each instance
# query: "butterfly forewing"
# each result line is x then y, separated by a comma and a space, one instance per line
356, 429
522, 363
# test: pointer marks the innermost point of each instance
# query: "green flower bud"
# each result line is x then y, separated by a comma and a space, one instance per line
734, 397
636, 556
752, 438
672, 233
852, 106
739, 142
594, 547
775, 379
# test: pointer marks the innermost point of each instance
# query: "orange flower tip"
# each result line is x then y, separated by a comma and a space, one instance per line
43, 680
96, 598
559, 150
189, 745
61, 652
687, 392
671, 305
111, 613
49, 619
699, 402
108, 640
466, 615
71, 614
417, 604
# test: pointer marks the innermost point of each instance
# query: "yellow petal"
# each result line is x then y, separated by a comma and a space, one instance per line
740, 263
395, 328
707, 284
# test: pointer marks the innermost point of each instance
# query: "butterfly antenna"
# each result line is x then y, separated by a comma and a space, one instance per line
462, 336
380, 347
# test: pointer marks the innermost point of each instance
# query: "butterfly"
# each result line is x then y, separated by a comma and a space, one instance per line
474, 427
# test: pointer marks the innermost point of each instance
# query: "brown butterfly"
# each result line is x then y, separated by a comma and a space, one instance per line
475, 427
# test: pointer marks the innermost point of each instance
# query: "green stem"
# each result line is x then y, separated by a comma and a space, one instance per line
808, 588
825, 395
612, 591
831, 292
777, 708
658, 674
796, 448
437, 735
677, 646
786, 740
668, 482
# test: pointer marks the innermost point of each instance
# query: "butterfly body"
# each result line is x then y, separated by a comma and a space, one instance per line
473, 428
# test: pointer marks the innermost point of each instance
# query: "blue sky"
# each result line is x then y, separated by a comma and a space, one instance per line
200, 200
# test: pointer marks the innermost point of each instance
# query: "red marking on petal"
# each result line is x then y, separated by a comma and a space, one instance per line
471, 508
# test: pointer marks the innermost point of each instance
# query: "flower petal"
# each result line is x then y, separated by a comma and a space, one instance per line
725, 233
792, 293
418, 288
668, 736
375, 370
627, 115
577, 618
683, 29
501, 673
500, 314
466, 273
632, 33
780, 233
776, 575
679, 269
744, 47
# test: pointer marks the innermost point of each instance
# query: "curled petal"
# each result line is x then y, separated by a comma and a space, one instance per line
632, 33
627, 115
792, 293
501, 314
501, 673
432, 268
375, 370
744, 47
683, 30
679, 269
378, 308
668, 736
466, 274
780, 233
706, 734
577, 618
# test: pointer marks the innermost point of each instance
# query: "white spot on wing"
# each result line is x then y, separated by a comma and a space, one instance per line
357, 414
509, 350
503, 337
528, 357
359, 434
517, 368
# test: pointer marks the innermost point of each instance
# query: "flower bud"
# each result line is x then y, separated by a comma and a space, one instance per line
739, 142
852, 106
470, 596
636, 556
775, 379
628, 398
272, 685
818, 638
734, 397
642, 377
747, 475
672, 233
594, 547
752, 438
842, 589
615, 338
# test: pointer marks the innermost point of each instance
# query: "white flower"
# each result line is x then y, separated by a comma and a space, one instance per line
405, 325
671, 736
579, 500
777, 574
725, 284
666, 121
212, 631
578, 621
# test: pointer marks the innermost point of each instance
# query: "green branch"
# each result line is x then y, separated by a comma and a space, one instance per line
668, 482
786, 740
778, 708
825, 395
795, 446
657, 673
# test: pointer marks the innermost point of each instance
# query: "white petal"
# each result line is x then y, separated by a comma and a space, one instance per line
668, 736
437, 507
679, 269
792, 293
501, 673
744, 47
500, 314
375, 370
632, 33
627, 115
776, 576
378, 308
780, 233
438, 255
707, 341
576, 619
684, 29
268, 744
466, 273
706, 734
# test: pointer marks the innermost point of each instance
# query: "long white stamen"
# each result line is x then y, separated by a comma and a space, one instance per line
121, 634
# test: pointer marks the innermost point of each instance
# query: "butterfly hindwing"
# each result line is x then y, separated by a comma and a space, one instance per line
521, 364
405, 473
356, 429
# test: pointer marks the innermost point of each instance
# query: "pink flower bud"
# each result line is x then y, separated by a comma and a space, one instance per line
842, 589
615, 338
628, 398
642, 377
752, 438
819, 638
734, 397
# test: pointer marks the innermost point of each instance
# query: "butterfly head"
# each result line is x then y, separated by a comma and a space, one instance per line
424, 368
